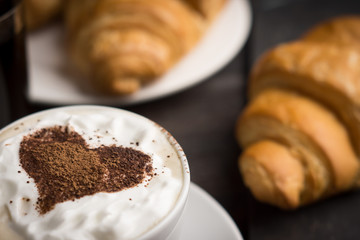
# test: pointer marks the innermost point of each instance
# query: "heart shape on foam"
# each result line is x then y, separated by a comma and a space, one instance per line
65, 168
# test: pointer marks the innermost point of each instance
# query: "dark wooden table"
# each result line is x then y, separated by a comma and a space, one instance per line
202, 119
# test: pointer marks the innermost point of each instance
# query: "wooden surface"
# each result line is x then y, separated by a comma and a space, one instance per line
202, 120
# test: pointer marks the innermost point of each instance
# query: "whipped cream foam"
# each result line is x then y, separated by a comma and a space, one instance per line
126, 214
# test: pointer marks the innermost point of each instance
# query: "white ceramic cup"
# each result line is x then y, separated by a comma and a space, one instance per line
168, 227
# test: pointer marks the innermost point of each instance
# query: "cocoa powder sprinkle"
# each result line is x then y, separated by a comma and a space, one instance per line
65, 168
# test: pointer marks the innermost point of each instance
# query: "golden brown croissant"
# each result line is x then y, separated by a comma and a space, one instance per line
324, 72
323, 64
309, 137
40, 12
123, 44
301, 130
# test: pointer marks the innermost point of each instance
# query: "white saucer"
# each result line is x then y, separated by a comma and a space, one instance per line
51, 82
205, 218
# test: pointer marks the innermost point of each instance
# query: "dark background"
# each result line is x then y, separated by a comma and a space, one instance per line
202, 119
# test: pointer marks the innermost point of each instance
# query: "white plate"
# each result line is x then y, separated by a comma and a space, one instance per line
205, 218
52, 83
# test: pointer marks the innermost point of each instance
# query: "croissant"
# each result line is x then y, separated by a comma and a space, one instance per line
123, 44
319, 158
300, 132
324, 72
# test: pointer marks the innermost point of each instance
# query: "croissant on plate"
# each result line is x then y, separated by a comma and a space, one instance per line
121, 45
300, 132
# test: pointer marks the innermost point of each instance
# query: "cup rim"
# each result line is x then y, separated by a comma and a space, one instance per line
182, 198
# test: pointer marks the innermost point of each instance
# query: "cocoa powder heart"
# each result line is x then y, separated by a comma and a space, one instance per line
65, 168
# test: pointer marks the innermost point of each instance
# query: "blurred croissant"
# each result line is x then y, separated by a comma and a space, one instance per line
300, 132
121, 45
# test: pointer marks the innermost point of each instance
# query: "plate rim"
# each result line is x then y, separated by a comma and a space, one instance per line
216, 207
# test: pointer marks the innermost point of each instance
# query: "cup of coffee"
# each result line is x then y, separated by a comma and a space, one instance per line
88, 173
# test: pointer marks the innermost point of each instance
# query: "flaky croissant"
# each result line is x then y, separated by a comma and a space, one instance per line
123, 44
296, 151
324, 72
301, 130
